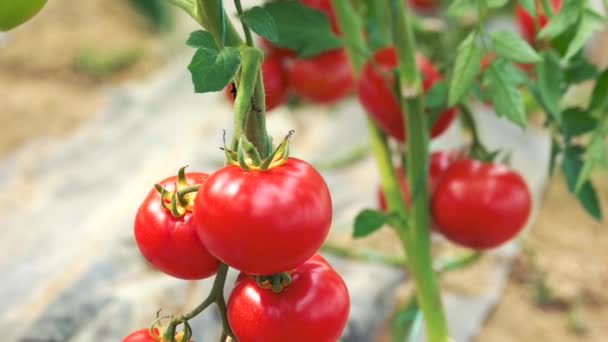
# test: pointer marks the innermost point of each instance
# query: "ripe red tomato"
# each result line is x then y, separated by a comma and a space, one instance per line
425, 5
325, 7
480, 205
314, 307
264, 222
276, 51
275, 83
324, 78
376, 95
171, 243
439, 162
143, 335
525, 21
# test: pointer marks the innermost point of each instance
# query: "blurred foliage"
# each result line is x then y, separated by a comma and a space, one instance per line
99, 65
156, 11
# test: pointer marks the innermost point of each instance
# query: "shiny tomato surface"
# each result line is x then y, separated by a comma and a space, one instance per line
170, 243
314, 307
264, 222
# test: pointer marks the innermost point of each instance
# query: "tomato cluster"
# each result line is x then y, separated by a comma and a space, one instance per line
475, 204
262, 221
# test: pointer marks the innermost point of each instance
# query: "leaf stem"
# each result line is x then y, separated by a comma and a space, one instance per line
547, 8
239, 10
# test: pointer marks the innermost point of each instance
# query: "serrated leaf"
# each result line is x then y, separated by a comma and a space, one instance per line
571, 168
262, 23
436, 96
567, 17
510, 46
599, 97
502, 88
201, 38
213, 69
301, 28
467, 66
368, 221
496, 3
550, 78
530, 6
458, 6
577, 122
586, 27
595, 155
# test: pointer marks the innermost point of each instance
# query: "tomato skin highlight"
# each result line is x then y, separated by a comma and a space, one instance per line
15, 12
324, 79
377, 97
170, 243
274, 78
525, 21
480, 205
264, 222
314, 307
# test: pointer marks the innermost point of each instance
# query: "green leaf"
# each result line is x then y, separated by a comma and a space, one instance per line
262, 23
406, 321
467, 64
599, 97
496, 3
213, 69
436, 97
502, 87
596, 154
530, 6
457, 7
556, 149
550, 78
200, 38
577, 122
368, 221
156, 11
301, 28
572, 166
586, 27
580, 69
567, 17
510, 46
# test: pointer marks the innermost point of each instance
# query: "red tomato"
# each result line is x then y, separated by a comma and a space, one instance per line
376, 95
264, 222
324, 78
425, 5
325, 7
439, 162
143, 335
275, 83
525, 21
171, 243
480, 205
277, 51
314, 307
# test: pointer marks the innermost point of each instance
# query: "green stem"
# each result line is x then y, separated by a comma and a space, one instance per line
450, 264
547, 8
215, 296
365, 255
206, 14
187, 5
239, 10
605, 2
417, 244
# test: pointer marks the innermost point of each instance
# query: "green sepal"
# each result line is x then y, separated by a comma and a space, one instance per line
181, 176
164, 195
282, 150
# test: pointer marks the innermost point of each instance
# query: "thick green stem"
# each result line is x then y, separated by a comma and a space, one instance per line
246, 30
417, 243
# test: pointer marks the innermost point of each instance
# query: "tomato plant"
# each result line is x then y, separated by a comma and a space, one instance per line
377, 97
145, 335
528, 24
326, 7
480, 205
314, 307
325, 78
170, 243
14, 13
236, 212
275, 83
276, 51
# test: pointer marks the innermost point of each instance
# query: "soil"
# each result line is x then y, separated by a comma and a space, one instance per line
44, 90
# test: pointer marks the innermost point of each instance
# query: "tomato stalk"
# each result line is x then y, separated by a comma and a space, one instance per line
547, 9
216, 296
417, 244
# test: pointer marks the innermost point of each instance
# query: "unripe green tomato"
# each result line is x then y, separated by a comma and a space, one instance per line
15, 12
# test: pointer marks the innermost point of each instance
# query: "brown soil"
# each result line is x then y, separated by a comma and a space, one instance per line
572, 249
43, 92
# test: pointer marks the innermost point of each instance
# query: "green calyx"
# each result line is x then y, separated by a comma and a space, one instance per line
180, 201
275, 282
248, 158
161, 333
